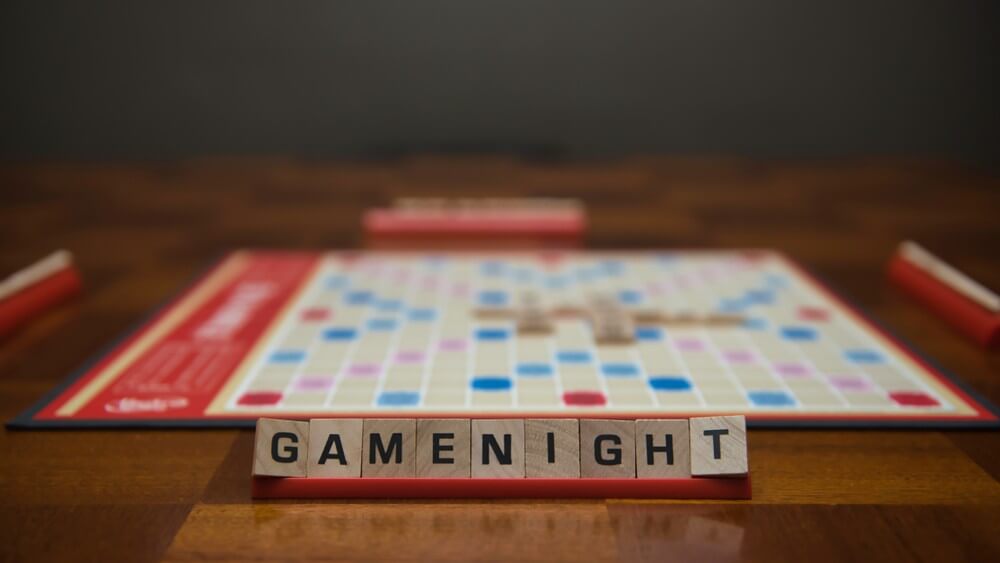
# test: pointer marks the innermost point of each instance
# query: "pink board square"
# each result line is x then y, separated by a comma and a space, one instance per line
791, 369
313, 383
738, 356
364, 370
851, 383
452, 344
656, 289
690, 344
410, 357
460, 290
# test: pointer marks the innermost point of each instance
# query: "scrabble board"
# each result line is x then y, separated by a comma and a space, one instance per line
417, 334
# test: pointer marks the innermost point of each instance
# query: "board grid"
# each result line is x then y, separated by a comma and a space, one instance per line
410, 334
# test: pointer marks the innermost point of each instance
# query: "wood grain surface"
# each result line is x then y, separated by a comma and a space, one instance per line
140, 230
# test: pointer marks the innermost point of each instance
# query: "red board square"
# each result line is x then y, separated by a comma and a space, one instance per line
584, 398
813, 314
913, 399
315, 314
551, 259
258, 398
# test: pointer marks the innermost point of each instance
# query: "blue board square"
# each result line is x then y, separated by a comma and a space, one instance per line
534, 370
389, 305
759, 296
335, 282
630, 296
733, 305
493, 298
491, 383
492, 334
776, 281
648, 333
340, 333
665, 258
771, 399
612, 267
573, 356
863, 356
398, 399
523, 275
287, 356
755, 323
422, 315
359, 297
381, 324
492, 268
798, 333
669, 383
556, 282
619, 370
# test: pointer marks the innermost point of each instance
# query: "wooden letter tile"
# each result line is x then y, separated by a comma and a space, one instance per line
280, 448
607, 448
334, 447
531, 317
719, 446
498, 448
389, 447
443, 447
609, 321
552, 448
662, 449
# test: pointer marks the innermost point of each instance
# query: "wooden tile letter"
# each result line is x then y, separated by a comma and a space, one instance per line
389, 447
334, 447
280, 448
607, 448
531, 317
498, 448
443, 447
552, 448
609, 321
719, 446
662, 449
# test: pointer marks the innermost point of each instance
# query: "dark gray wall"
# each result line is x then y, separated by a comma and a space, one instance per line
98, 79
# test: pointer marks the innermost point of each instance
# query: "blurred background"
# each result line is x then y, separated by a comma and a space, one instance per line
772, 78
173, 132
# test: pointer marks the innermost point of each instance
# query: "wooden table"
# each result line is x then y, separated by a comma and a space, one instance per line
141, 230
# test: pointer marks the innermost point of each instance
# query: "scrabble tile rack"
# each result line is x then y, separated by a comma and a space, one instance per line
729, 488
291, 475
456, 224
